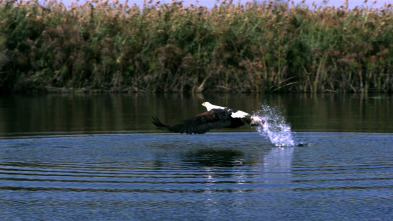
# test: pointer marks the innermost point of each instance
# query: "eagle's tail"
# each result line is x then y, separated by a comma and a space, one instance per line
158, 123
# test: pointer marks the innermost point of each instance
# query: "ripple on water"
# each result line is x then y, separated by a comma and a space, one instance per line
205, 177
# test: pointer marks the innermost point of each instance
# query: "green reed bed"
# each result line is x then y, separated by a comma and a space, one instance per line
256, 47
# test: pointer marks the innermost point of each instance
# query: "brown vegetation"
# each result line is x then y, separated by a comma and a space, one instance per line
271, 47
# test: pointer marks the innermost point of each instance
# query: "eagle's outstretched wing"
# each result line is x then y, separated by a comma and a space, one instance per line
201, 123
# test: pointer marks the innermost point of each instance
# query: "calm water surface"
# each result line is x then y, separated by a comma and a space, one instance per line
99, 158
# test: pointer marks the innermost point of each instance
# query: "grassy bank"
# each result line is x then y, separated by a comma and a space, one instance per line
110, 46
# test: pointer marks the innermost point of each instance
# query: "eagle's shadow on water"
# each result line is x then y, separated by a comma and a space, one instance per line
215, 158
217, 151
268, 157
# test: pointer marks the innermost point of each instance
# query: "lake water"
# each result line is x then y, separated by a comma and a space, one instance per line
98, 157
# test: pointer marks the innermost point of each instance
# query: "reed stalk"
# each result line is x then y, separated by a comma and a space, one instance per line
257, 47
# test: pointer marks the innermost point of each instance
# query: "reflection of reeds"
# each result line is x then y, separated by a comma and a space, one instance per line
109, 45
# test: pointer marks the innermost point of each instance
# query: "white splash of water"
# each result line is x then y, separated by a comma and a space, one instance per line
275, 128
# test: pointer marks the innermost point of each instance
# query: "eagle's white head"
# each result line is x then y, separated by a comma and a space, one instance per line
210, 106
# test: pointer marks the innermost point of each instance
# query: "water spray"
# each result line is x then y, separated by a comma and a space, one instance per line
274, 127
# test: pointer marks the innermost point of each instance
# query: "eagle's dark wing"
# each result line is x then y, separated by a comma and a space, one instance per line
201, 123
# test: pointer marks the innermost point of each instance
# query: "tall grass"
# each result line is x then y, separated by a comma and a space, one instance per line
271, 47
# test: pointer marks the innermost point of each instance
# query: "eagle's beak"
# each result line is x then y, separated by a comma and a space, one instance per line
203, 104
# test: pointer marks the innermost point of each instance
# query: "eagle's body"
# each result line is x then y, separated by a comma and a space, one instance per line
215, 117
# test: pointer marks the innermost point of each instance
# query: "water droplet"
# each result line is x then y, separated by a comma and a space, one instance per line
275, 127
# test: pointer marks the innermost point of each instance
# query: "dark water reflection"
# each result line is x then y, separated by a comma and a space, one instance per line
111, 113
99, 158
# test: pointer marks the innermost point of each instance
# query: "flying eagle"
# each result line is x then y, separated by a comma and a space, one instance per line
216, 117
